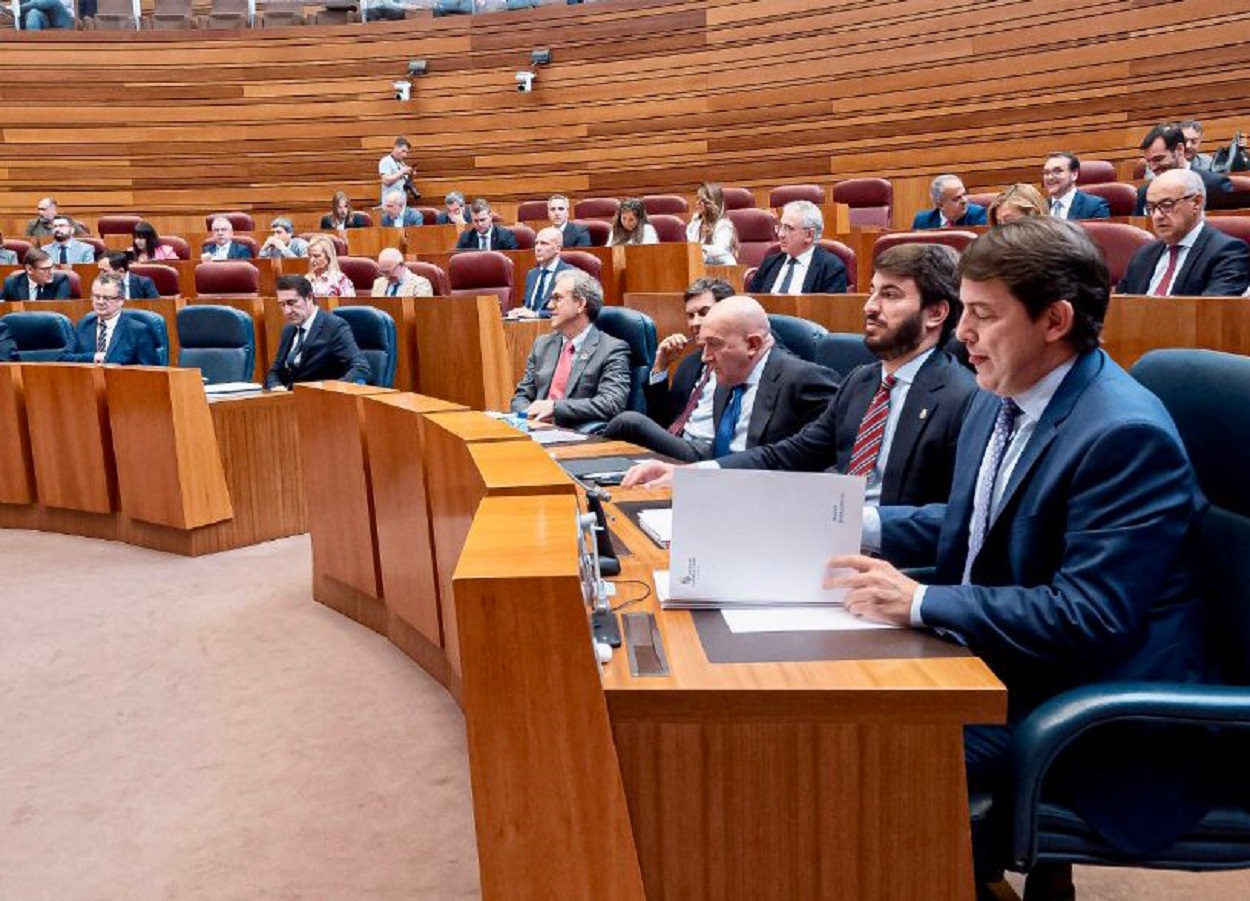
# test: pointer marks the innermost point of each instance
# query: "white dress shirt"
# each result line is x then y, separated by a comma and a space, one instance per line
699, 426
1061, 207
804, 262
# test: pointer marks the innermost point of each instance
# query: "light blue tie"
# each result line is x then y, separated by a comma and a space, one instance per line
728, 422
1004, 425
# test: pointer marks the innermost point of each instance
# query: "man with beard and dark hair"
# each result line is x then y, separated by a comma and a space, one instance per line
896, 421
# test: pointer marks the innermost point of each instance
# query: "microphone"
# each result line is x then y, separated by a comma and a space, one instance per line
609, 565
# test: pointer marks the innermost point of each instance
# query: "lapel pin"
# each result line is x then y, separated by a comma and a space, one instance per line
924, 414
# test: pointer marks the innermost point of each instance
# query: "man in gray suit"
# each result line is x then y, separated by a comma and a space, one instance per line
65, 249
576, 377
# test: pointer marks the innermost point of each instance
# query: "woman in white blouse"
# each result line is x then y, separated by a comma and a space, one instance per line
630, 225
712, 228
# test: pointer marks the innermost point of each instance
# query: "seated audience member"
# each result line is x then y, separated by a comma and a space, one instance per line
895, 422
112, 338
397, 280
711, 228
950, 206
8, 347
146, 245
340, 218
134, 287
7, 257
485, 234
540, 280
222, 246
1192, 130
1190, 258
41, 14
630, 225
41, 225
574, 235
65, 249
315, 345
455, 211
1164, 150
801, 266
283, 242
1066, 553
1018, 201
397, 214
576, 377
327, 279
1059, 176
762, 394
39, 280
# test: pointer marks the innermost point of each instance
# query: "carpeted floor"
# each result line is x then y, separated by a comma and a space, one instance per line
174, 728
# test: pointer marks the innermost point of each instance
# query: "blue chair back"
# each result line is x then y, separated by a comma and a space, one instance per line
374, 331
638, 331
218, 341
154, 321
842, 352
798, 335
40, 337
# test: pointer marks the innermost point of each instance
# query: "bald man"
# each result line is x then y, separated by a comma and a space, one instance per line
542, 278
396, 280
763, 393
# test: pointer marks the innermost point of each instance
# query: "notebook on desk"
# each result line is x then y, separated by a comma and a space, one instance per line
595, 466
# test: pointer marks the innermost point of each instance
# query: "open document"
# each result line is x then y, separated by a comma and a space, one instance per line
744, 538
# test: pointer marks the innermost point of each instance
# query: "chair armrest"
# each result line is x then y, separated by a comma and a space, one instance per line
1043, 735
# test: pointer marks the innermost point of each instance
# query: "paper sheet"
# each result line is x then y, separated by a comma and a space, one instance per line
796, 619
556, 436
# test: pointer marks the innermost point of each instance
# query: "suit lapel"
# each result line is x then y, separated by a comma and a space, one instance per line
813, 269
765, 398
581, 359
1191, 260
918, 411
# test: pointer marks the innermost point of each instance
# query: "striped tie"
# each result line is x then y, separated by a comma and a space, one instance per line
872, 430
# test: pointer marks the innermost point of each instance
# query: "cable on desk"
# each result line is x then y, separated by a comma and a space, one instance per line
646, 593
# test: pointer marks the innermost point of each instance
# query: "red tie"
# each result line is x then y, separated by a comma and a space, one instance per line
679, 424
1165, 283
871, 431
560, 379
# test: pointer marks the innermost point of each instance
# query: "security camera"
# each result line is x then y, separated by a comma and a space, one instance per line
525, 82
403, 90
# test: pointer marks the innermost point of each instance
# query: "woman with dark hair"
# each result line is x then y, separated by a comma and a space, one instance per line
712, 228
341, 215
630, 225
146, 246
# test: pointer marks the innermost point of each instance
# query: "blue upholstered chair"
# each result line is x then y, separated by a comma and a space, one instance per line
798, 335
842, 352
374, 331
40, 336
154, 321
638, 331
219, 341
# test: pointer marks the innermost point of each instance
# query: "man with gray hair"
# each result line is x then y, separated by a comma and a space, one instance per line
283, 242
951, 208
397, 214
576, 377
455, 214
801, 266
395, 279
1191, 258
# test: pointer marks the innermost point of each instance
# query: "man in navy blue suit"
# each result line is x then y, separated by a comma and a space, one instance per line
801, 266
110, 337
135, 287
39, 281
315, 345
222, 245
951, 208
542, 278
397, 214
1164, 149
1065, 555
574, 235
1059, 175
484, 235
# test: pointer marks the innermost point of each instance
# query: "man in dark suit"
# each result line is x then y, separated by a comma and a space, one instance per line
1191, 258
397, 214
485, 234
574, 235
456, 212
135, 287
40, 281
1065, 555
951, 208
8, 347
315, 344
222, 245
576, 377
801, 266
540, 280
1164, 149
1059, 175
110, 337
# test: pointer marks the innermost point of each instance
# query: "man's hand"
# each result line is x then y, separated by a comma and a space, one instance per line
521, 313
649, 474
542, 410
668, 350
875, 589
206, 258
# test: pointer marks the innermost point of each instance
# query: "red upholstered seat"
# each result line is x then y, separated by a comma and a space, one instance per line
340, 246
117, 224
844, 253
482, 272
532, 211
179, 245
739, 198
983, 199
783, 194
669, 204
599, 230
670, 228
18, 246
1139, 169
756, 230
241, 222
165, 277
433, 274
871, 200
75, 284
1234, 226
361, 271
227, 278
588, 263
951, 237
1118, 241
1120, 197
367, 218
1095, 172
1238, 199
99, 246
596, 208
524, 235
429, 214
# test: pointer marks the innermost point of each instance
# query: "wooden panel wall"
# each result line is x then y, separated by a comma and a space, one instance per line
642, 96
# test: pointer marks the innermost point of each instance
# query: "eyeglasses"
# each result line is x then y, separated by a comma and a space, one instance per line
1166, 206
102, 297
784, 228
47, 268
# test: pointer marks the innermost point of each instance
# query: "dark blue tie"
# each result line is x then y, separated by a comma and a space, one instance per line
728, 422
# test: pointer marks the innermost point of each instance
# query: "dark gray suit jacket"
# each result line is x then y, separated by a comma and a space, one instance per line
791, 393
1217, 265
598, 386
